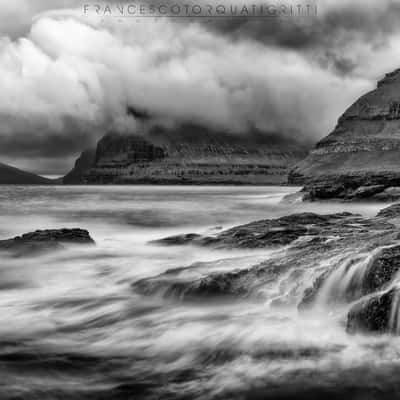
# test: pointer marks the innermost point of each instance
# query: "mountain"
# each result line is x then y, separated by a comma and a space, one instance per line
188, 154
10, 176
360, 158
82, 165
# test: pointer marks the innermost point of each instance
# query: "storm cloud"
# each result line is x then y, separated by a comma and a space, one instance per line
67, 78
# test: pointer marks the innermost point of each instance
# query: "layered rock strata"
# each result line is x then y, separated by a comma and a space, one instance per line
360, 158
187, 155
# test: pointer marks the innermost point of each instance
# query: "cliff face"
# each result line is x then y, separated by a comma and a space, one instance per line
360, 158
85, 161
188, 154
14, 176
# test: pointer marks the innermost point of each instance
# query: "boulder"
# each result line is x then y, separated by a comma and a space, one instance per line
48, 239
373, 315
381, 270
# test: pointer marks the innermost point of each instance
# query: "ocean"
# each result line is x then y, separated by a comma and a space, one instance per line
73, 327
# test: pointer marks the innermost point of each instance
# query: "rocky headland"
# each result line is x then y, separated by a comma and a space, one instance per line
343, 262
360, 158
188, 154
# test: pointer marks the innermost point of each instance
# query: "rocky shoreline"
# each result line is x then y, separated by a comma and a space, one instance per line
329, 261
354, 187
341, 261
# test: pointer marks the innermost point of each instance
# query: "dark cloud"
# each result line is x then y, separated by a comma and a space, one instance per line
328, 37
67, 79
47, 145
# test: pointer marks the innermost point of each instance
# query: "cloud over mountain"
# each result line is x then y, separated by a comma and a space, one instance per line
67, 78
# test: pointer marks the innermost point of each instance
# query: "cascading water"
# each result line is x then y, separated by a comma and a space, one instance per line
345, 282
74, 317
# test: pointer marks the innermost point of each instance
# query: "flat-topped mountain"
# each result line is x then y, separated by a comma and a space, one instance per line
188, 155
14, 176
360, 158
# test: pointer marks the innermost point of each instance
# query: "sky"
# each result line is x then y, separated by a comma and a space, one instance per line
68, 74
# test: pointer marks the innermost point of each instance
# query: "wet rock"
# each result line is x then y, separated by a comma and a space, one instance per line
293, 198
178, 239
389, 194
48, 239
172, 285
212, 286
323, 191
303, 242
311, 293
377, 275
381, 270
372, 315
233, 285
352, 187
364, 192
392, 211
264, 233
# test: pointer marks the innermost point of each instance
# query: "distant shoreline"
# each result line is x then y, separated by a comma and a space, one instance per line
155, 184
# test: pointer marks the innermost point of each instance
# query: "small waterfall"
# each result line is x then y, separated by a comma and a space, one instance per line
346, 282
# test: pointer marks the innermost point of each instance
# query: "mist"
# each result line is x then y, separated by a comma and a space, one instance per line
69, 78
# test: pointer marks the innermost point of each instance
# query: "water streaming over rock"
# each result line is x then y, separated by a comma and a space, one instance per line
132, 318
347, 280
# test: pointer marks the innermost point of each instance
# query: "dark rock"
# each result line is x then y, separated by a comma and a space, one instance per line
224, 285
378, 274
48, 239
270, 232
209, 287
391, 193
372, 315
310, 240
311, 293
381, 270
118, 150
364, 192
392, 211
350, 187
178, 239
